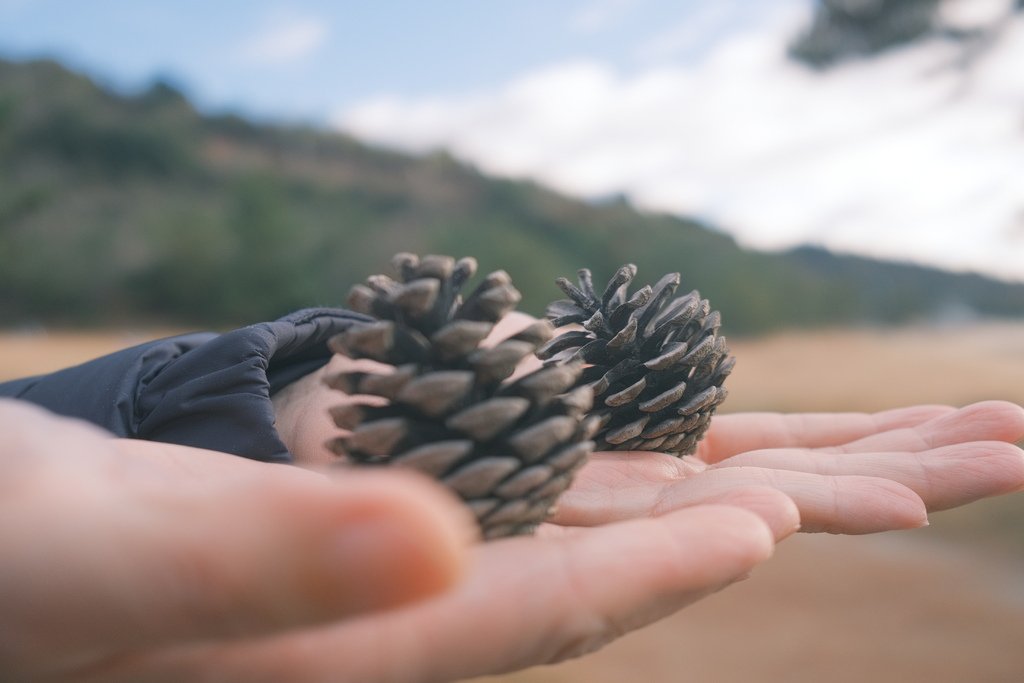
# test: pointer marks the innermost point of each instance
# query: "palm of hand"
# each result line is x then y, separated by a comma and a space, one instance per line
847, 473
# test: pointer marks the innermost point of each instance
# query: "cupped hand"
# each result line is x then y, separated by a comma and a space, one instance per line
847, 473
134, 561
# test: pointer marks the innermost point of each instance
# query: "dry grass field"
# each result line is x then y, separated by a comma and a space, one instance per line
943, 604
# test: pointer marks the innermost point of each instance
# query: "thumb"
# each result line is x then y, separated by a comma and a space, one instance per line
128, 564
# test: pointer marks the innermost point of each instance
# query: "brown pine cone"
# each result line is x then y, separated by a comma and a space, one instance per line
655, 361
508, 449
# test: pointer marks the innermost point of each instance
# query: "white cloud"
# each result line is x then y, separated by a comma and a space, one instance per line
284, 40
972, 14
904, 156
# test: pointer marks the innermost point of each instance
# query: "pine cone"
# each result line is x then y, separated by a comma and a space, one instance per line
508, 449
656, 363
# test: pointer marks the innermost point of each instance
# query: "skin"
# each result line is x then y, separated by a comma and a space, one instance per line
166, 563
134, 561
114, 547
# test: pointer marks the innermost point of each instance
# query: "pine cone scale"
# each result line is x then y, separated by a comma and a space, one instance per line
664, 399
481, 476
438, 457
436, 393
534, 442
627, 395
486, 420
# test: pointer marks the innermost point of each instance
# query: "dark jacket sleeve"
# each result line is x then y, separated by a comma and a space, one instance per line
205, 390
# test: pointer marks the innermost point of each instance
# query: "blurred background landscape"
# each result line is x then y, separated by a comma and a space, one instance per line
843, 179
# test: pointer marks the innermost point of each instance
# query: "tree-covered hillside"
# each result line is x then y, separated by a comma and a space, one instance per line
136, 208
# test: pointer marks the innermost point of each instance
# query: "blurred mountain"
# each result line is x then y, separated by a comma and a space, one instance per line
117, 208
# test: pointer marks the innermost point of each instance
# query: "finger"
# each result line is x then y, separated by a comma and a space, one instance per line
837, 504
342, 363
302, 411
592, 506
834, 504
239, 556
943, 477
777, 509
740, 432
528, 601
985, 421
283, 555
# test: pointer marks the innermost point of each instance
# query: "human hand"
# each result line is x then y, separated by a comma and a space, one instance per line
119, 552
140, 561
848, 473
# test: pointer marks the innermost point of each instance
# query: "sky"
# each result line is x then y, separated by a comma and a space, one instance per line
689, 106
